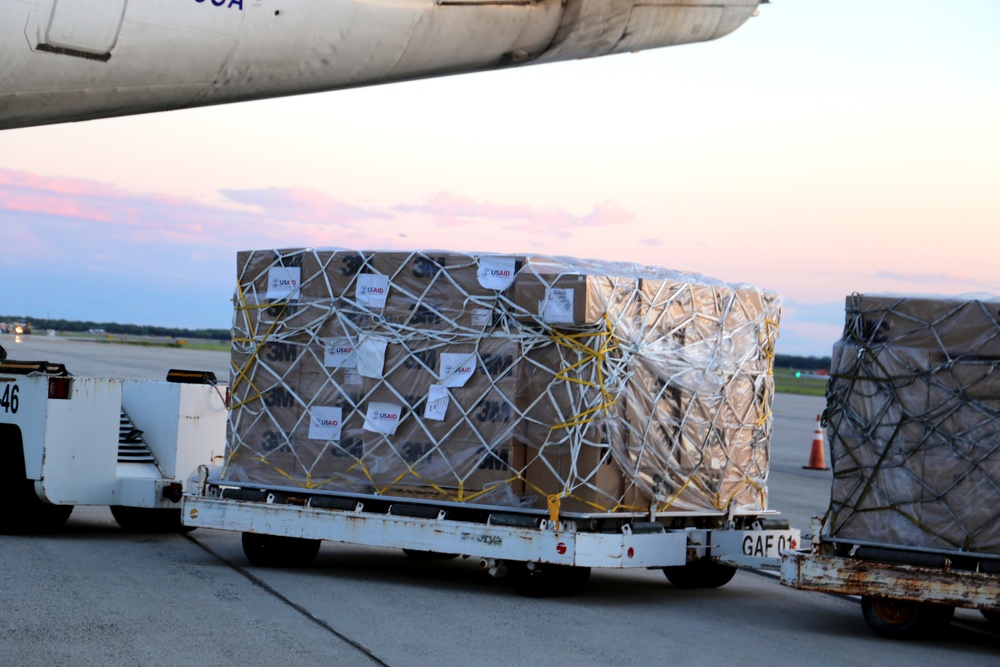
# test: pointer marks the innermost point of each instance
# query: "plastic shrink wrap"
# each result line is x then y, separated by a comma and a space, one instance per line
500, 380
913, 421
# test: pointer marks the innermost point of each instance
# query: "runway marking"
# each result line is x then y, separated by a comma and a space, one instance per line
297, 607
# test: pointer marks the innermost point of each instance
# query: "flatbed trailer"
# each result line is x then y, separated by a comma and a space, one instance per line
906, 592
541, 553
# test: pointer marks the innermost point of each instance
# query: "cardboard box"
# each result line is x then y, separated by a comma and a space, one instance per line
268, 299
559, 295
586, 477
441, 290
457, 468
578, 385
912, 443
562, 389
952, 324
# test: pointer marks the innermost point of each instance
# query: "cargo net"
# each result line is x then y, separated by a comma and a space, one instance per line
500, 380
913, 419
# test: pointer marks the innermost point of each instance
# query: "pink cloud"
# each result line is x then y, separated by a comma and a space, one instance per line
450, 210
607, 215
304, 205
23, 180
146, 217
308, 216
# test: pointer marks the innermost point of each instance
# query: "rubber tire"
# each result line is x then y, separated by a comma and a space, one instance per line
416, 554
29, 514
992, 616
149, 519
25, 513
899, 619
702, 573
546, 580
279, 551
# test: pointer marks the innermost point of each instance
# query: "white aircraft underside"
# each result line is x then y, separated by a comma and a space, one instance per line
70, 60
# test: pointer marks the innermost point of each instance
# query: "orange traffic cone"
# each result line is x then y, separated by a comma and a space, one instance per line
817, 458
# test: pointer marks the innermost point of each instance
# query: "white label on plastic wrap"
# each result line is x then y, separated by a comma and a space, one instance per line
325, 423
383, 418
437, 402
457, 368
370, 356
340, 353
482, 317
496, 272
372, 290
283, 282
558, 305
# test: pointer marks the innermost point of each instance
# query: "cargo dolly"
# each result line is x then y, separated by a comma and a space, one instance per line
541, 553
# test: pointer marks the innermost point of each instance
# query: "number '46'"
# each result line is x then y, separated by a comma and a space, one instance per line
9, 401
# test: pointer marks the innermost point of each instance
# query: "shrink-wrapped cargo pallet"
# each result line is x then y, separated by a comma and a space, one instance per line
913, 419
500, 380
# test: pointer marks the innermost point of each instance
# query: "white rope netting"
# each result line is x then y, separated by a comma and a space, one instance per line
913, 420
501, 380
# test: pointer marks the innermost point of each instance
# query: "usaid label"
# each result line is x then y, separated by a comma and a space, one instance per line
457, 368
325, 423
340, 353
372, 290
558, 306
496, 272
283, 282
383, 418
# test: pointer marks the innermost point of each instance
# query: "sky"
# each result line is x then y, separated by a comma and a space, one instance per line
824, 148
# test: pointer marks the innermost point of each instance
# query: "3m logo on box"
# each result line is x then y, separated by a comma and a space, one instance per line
325, 423
383, 417
280, 352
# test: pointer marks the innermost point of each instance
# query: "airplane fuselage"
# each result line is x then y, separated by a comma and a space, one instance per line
70, 60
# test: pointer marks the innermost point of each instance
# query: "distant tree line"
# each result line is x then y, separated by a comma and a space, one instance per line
802, 363
41, 324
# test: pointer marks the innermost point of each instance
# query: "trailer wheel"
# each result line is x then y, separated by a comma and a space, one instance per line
279, 551
901, 619
149, 519
544, 580
416, 554
704, 573
27, 514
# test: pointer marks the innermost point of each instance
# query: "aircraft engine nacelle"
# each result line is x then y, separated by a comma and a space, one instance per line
68, 60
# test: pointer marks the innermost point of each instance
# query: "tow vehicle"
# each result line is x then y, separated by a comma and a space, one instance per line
128, 444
